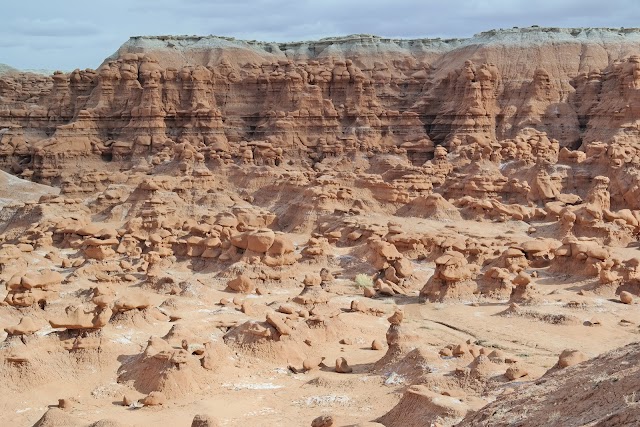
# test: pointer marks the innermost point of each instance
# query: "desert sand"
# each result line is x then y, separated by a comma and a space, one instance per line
354, 231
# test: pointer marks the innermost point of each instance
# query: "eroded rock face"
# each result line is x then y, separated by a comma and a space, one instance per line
270, 204
317, 109
564, 390
32, 288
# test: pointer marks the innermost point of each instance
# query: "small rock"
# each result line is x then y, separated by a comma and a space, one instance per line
594, 322
369, 292
204, 421
65, 404
242, 284
626, 297
304, 313
497, 356
342, 367
475, 350
446, 352
312, 280
323, 421
278, 323
377, 345
515, 371
570, 357
396, 317
26, 326
387, 290
458, 394
312, 363
286, 309
248, 308
460, 350
155, 398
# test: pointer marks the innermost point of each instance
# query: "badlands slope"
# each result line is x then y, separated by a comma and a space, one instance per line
351, 231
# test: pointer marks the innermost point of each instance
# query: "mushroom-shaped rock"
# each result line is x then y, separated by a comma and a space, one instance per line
525, 291
79, 318
452, 278
131, 302
387, 250
535, 247
312, 280
42, 279
260, 240
281, 245
385, 254
451, 259
211, 244
100, 249
227, 220
89, 230
312, 293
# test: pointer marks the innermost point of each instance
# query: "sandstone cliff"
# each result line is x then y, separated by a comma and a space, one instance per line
313, 98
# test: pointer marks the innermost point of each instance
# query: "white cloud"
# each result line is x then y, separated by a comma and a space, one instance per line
55, 27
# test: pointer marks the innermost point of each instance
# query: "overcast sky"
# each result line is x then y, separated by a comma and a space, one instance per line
45, 34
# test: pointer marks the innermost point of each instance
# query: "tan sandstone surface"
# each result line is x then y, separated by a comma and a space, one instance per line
354, 231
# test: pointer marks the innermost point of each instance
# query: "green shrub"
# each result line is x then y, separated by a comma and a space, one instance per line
363, 281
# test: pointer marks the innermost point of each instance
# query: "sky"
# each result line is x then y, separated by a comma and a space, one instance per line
69, 34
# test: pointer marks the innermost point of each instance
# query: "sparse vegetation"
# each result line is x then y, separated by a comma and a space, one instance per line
363, 281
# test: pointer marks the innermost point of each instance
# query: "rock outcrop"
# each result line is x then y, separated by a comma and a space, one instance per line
204, 222
561, 397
